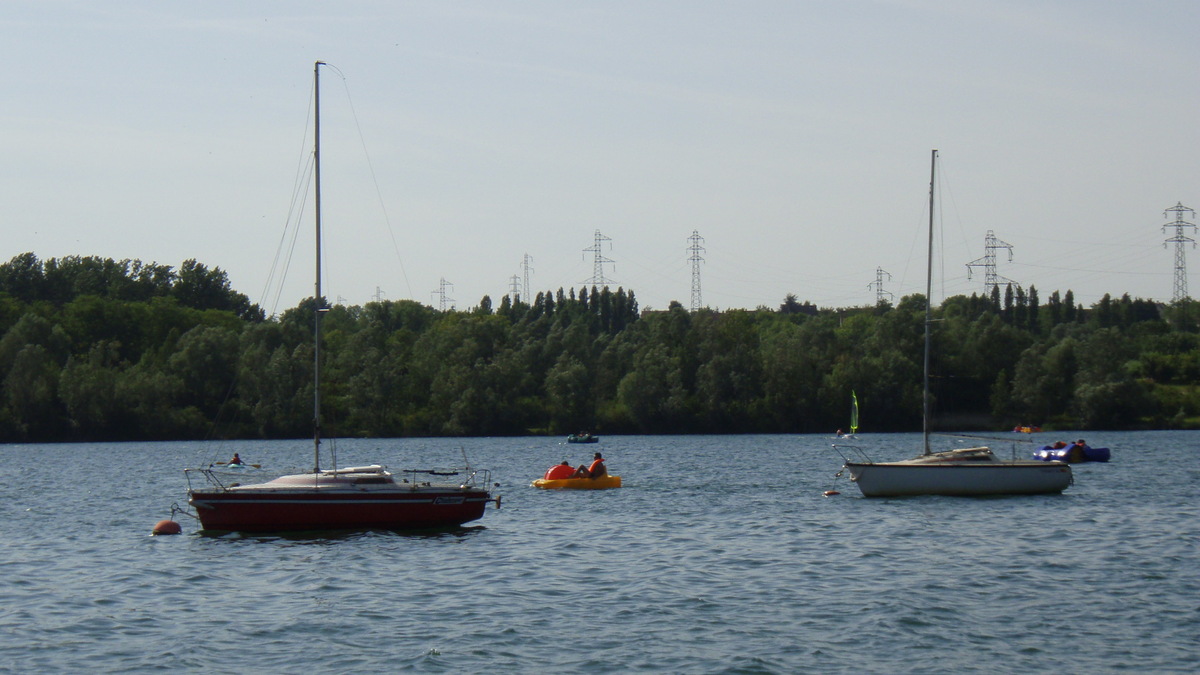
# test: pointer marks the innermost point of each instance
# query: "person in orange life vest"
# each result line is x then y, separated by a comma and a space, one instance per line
596, 470
236, 461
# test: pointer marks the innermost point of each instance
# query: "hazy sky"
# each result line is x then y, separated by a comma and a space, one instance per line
461, 136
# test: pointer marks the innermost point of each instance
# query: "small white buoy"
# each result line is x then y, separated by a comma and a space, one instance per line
167, 527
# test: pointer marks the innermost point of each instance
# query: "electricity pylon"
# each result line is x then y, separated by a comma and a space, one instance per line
598, 278
1180, 240
988, 262
696, 249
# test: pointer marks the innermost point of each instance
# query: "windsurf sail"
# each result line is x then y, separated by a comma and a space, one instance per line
853, 413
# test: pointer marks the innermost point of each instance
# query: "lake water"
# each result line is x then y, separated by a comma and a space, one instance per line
720, 555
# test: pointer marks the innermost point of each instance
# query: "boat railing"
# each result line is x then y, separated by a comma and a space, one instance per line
847, 451
216, 476
993, 441
209, 474
462, 476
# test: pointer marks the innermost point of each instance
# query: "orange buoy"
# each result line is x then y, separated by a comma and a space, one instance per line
830, 493
166, 527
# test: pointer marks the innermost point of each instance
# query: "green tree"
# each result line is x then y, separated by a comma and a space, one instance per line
652, 392
202, 288
88, 389
31, 388
568, 385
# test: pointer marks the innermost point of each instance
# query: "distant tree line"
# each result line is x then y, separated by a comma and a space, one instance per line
96, 349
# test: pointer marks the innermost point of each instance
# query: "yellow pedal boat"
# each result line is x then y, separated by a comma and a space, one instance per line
601, 483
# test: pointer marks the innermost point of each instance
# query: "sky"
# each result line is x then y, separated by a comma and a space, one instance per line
458, 138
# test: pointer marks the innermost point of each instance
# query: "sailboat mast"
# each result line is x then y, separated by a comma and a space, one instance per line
928, 310
317, 302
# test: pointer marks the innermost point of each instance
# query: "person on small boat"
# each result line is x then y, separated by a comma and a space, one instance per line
237, 460
559, 471
596, 470
1078, 452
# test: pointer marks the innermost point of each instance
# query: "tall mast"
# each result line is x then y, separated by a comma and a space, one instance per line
317, 302
928, 310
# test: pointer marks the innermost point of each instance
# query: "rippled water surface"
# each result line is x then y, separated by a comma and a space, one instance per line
720, 555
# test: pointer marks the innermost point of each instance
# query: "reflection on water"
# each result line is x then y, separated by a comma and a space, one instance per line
335, 536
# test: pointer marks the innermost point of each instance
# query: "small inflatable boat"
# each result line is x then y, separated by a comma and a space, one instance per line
601, 483
1072, 453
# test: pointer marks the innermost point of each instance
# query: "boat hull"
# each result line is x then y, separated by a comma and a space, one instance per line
899, 479
316, 509
601, 483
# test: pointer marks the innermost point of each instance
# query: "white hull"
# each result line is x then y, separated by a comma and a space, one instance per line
958, 479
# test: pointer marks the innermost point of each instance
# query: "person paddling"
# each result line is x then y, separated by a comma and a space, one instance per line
596, 470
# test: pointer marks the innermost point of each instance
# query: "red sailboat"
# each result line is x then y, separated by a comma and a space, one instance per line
335, 499
350, 498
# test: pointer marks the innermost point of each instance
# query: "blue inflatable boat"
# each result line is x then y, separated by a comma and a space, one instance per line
1072, 453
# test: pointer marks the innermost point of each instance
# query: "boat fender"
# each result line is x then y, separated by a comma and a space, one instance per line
167, 527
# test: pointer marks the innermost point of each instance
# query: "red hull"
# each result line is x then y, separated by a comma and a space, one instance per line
293, 510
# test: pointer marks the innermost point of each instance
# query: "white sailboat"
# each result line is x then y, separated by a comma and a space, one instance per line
961, 472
